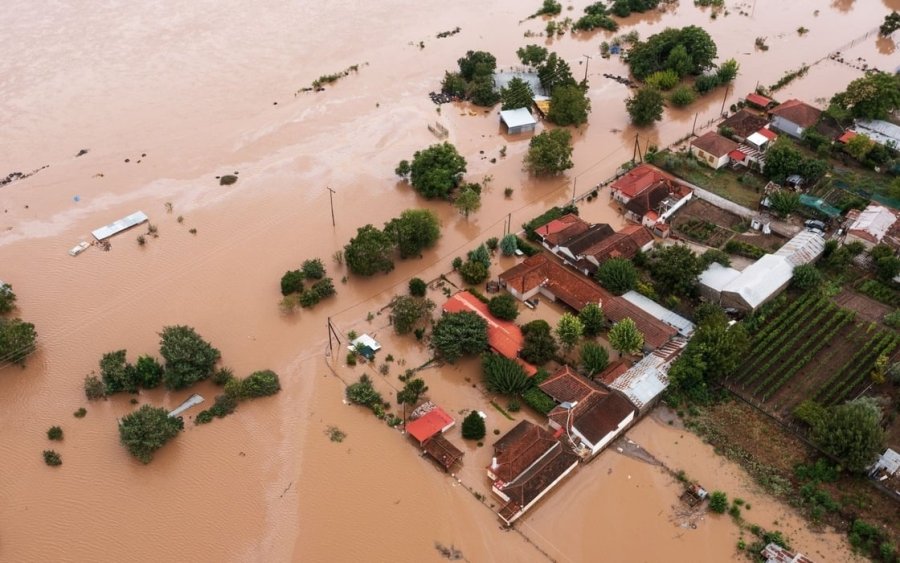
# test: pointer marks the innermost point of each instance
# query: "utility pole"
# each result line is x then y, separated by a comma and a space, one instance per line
574, 183
586, 63
331, 199
637, 150
694, 126
332, 332
725, 98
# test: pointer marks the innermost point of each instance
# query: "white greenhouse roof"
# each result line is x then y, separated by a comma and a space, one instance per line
654, 309
517, 117
717, 277
117, 227
805, 247
761, 280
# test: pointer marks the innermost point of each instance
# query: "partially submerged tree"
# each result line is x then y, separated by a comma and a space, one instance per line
532, 55
459, 334
146, 430
503, 376
517, 94
468, 201
694, 52
189, 358
569, 105
17, 340
434, 172
369, 252
555, 72
411, 392
593, 319
569, 331
7, 299
509, 244
363, 393
504, 307
540, 346
408, 312
645, 106
549, 152
473, 427
625, 338
414, 231
873, 96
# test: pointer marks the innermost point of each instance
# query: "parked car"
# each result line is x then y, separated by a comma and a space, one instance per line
814, 224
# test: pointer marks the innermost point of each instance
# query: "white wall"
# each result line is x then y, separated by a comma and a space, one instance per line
788, 127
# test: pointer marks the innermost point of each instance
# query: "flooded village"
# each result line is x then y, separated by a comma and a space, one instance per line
544, 281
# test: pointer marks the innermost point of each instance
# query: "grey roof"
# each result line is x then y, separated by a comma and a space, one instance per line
517, 117
647, 379
805, 247
123, 224
761, 280
502, 79
654, 309
882, 132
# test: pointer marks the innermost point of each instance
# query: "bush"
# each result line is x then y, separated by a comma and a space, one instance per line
80, 413
146, 430
540, 346
292, 282
473, 273
503, 376
417, 287
645, 106
148, 372
549, 152
706, 82
55, 433
261, 384
504, 307
538, 400
223, 406
663, 79
806, 277
203, 417
227, 180
492, 243
892, 319
52, 458
718, 502
363, 393
7, 298
408, 311
222, 376
313, 269
93, 387
189, 358
473, 427
682, 96
351, 358
508, 245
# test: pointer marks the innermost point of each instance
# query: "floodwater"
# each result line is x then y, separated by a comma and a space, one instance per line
207, 89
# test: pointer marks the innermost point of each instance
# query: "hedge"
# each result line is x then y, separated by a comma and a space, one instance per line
538, 400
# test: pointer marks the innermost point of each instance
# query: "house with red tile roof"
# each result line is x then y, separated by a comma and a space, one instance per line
758, 100
428, 429
542, 274
504, 337
655, 206
794, 117
528, 462
637, 181
592, 417
624, 243
712, 149
743, 124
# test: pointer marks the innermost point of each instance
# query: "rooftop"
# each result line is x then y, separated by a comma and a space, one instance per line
639, 179
758, 100
579, 243
882, 132
120, 225
429, 424
714, 144
536, 480
603, 416
745, 123
560, 224
872, 223
644, 381
612, 372
803, 248
717, 277
761, 279
443, 451
798, 112
623, 244
519, 448
651, 307
517, 117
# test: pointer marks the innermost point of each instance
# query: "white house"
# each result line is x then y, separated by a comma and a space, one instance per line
713, 149
794, 117
518, 121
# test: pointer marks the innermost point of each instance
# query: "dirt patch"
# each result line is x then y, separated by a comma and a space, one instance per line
770, 242
699, 209
866, 307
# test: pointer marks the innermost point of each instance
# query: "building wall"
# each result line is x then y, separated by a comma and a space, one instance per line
853, 238
619, 196
788, 127
603, 442
709, 159
681, 203
520, 129
522, 296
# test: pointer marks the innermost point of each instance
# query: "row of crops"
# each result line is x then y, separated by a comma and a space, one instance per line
801, 332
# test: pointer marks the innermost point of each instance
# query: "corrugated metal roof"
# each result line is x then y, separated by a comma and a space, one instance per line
805, 247
123, 224
671, 318
882, 132
517, 117
875, 220
649, 377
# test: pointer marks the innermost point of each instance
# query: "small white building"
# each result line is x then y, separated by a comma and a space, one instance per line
712, 149
518, 121
882, 132
715, 279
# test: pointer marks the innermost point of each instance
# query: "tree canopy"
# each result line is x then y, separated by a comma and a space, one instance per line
569, 330
407, 312
592, 318
594, 358
473, 427
17, 340
415, 230
147, 429
369, 252
474, 79
468, 201
694, 51
7, 299
675, 269
516, 94
540, 346
532, 55
504, 307
550, 152
555, 72
503, 376
189, 358
435, 171
645, 106
783, 159
412, 390
476, 63
851, 432
624, 8
625, 337
617, 275
459, 334
569, 105
874, 96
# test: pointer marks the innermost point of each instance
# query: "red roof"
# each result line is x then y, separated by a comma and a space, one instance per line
758, 100
845, 138
557, 225
737, 155
639, 179
768, 133
433, 422
797, 112
504, 337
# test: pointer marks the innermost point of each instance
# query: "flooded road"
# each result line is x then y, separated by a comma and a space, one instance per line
187, 95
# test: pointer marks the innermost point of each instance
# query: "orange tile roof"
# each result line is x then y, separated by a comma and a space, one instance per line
518, 449
612, 372
558, 225
798, 112
431, 423
639, 179
845, 138
768, 133
758, 100
504, 337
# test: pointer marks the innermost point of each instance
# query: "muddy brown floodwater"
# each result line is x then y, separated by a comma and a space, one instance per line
166, 99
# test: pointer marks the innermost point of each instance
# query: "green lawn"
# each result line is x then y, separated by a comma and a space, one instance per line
724, 182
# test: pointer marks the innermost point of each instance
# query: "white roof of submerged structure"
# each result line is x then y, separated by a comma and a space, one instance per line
761, 279
123, 224
365, 340
517, 117
654, 309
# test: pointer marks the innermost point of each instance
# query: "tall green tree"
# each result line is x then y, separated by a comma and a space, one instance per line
477, 63
675, 269
116, 373
146, 430
7, 299
509, 244
874, 96
782, 160
411, 392
370, 251
148, 372
852, 432
540, 346
555, 72
504, 307
17, 340
550, 152
532, 55
503, 376
189, 358
408, 312
569, 331
435, 171
459, 334
415, 230
654, 54
617, 275
569, 105
645, 106
593, 319
517, 94
625, 337
473, 427
594, 358
468, 201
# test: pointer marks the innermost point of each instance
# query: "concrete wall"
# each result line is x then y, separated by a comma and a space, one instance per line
788, 127
708, 159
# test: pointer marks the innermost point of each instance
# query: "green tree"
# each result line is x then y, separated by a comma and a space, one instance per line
476, 63
782, 160
480, 254
509, 244
468, 201
682, 96
549, 152
17, 340
482, 91
532, 55
540, 346
663, 79
473, 272
504, 307
718, 502
887, 267
453, 84
292, 282
595, 16
408, 311
874, 96
727, 71
473, 426
890, 25
189, 358
555, 72
517, 94
414, 231
52, 458
261, 384
569, 105
503, 376
369, 252
675, 269
94, 387
437, 170
617, 275
146, 430
784, 202
647, 57
679, 61
313, 269
705, 82
625, 338
593, 319
417, 287
852, 433
55, 433
594, 358
645, 107
411, 392
859, 146
7, 299
459, 334
363, 393
569, 331
806, 276
116, 373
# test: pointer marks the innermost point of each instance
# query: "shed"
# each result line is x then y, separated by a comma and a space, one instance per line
654, 309
518, 121
882, 132
434, 422
120, 225
758, 100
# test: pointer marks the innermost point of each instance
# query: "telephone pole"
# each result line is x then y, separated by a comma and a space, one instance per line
574, 183
586, 63
637, 150
331, 200
724, 99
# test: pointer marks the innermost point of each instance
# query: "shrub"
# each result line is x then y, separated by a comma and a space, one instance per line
93, 387
417, 287
473, 427
617, 275
52, 458
504, 307
146, 430
718, 502
148, 372
473, 273
223, 405
503, 376
663, 79
55, 433
203, 417
313, 269
540, 346
706, 82
227, 180
222, 376
351, 358
188, 357
682, 96
508, 245
806, 277
492, 243
892, 319
80, 413
261, 384
363, 393
538, 400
